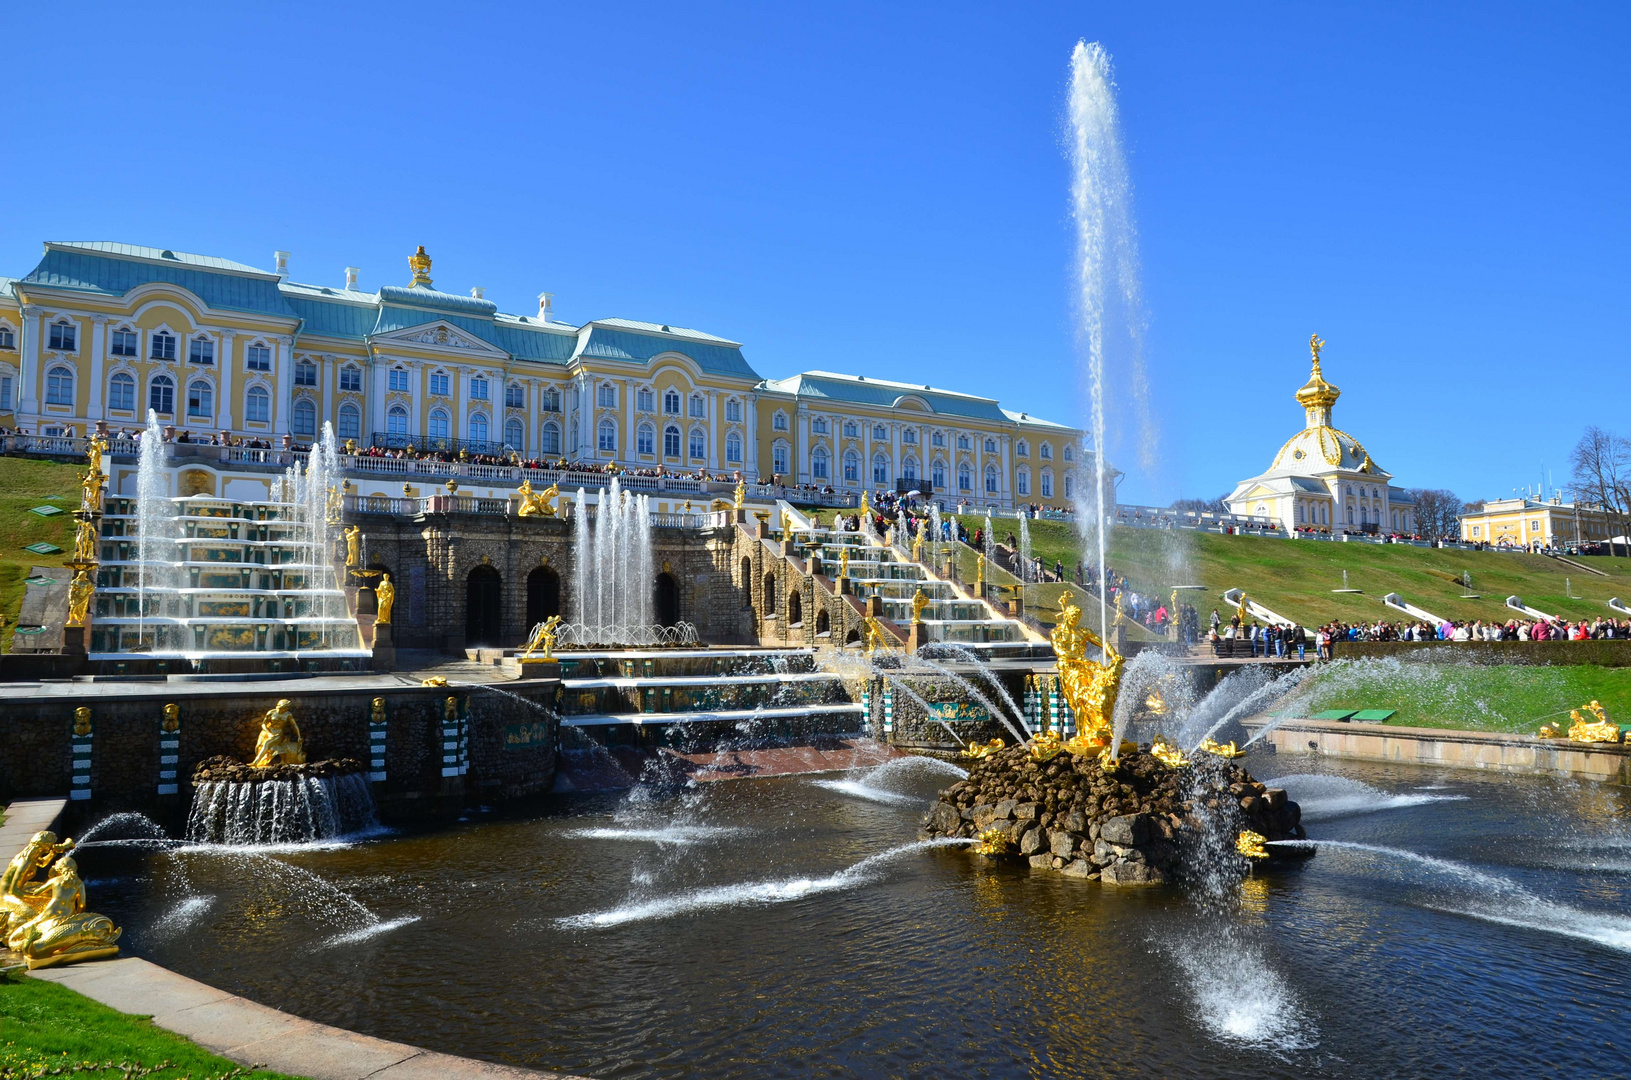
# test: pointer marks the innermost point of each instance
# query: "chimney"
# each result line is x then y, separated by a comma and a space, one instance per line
351, 273
281, 260
546, 306
479, 292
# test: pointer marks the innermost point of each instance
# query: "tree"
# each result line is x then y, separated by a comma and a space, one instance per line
1602, 475
1219, 505
1438, 512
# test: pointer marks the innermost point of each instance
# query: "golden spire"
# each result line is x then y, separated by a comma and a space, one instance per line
1317, 396
419, 262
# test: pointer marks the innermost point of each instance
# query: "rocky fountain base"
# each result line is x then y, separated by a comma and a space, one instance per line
234, 803
1145, 823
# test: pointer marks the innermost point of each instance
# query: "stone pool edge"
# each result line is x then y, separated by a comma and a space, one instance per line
245, 1031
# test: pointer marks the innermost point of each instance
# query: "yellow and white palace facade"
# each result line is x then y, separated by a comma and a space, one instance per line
103, 332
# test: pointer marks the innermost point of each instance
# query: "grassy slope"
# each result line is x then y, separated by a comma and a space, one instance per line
25, 484
44, 1026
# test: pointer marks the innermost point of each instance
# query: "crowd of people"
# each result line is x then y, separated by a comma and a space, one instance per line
1278, 641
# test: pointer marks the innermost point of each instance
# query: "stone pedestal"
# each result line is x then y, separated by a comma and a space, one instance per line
73, 641
917, 637
788, 548
536, 667
741, 516
844, 587
384, 648
874, 607
763, 531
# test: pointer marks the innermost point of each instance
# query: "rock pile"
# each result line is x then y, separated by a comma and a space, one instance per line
1130, 827
227, 769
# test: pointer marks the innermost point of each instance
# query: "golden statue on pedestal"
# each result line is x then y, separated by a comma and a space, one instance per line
336, 504
843, 561
537, 505
20, 898
353, 546
1089, 687
741, 496
1222, 750
872, 636
85, 542
172, 719
920, 600
79, 598
279, 742
917, 547
544, 638
384, 600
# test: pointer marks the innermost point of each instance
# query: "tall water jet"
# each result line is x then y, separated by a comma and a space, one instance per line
155, 518
1107, 272
614, 568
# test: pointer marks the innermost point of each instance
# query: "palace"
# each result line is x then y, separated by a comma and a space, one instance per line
1322, 479
104, 332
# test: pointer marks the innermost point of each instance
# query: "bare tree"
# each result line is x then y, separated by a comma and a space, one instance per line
1602, 475
1219, 505
1438, 512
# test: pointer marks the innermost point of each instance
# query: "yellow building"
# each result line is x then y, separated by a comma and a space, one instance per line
1528, 523
103, 332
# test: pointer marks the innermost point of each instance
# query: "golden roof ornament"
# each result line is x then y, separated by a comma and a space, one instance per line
1316, 393
419, 263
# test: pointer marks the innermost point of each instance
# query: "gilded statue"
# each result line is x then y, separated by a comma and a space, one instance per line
741, 493
1240, 611
172, 719
279, 741
64, 932
1598, 730
544, 638
979, 572
450, 710
982, 750
377, 716
866, 508
1250, 844
1167, 753
82, 721
79, 598
843, 562
434, 680
917, 547
384, 600
920, 600
1314, 347
20, 898
336, 504
537, 505
873, 637
353, 546
1222, 750
85, 543
93, 457
1089, 687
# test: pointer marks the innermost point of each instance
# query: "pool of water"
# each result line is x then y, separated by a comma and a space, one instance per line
1454, 923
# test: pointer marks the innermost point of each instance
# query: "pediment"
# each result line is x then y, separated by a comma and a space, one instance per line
440, 335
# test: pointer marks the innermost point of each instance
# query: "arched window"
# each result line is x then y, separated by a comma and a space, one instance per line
122, 393
1046, 450
1047, 484
438, 424
606, 435
699, 444
733, 448
351, 378
909, 436
965, 478
514, 437
778, 422
671, 401
64, 336
990, 446
123, 342
645, 440
161, 395
779, 459
852, 467
733, 411
350, 426
515, 397
305, 372
1022, 449
1022, 482
880, 469
549, 439
303, 420
258, 357
644, 399
396, 421
908, 470
257, 404
1070, 453
59, 386
551, 399
990, 479
606, 396
698, 408
1070, 486
478, 428
161, 346
671, 441
200, 400
818, 464
938, 474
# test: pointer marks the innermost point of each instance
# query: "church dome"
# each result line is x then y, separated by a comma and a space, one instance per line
1320, 447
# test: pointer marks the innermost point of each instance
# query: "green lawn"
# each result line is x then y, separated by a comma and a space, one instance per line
25, 484
1464, 696
1295, 577
49, 1030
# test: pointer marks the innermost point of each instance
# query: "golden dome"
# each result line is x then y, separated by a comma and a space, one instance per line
1306, 450
1316, 393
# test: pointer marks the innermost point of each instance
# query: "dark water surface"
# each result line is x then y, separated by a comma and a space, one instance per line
1478, 927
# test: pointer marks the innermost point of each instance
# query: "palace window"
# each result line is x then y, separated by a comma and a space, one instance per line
351, 377
438, 423
162, 346
779, 422
397, 380
122, 393
478, 389
937, 439
778, 459
991, 446
909, 436
552, 399
1047, 484
818, 464
124, 342
852, 467
990, 480
962, 442
257, 406
1069, 452
258, 357
201, 350
439, 381
478, 428
64, 335
514, 396
671, 441
733, 411
396, 421
1022, 449
350, 426
818, 426
880, 469
671, 401
645, 440
699, 444
645, 400
850, 430
305, 373
59, 386
938, 474
908, 470
5, 393
965, 478
200, 400
699, 408
606, 396
514, 437
606, 435
549, 439
1046, 450
1022, 482
733, 448
8, 340
1070, 486
879, 432
303, 420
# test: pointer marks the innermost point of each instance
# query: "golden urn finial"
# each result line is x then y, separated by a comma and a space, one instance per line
419, 263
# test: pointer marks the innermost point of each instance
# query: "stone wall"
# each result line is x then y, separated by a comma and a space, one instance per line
1606, 653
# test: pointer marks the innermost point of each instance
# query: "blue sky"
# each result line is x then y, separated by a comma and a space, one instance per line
1439, 191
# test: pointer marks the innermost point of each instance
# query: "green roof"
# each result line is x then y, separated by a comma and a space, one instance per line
604, 339
883, 393
229, 286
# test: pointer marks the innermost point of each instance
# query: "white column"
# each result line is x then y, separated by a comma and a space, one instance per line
750, 413
28, 365
283, 364
625, 439
223, 411
461, 402
1007, 482
326, 374
374, 405
866, 455
93, 408
801, 446
416, 378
